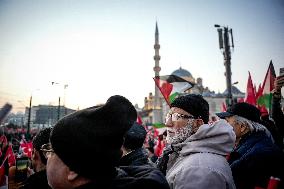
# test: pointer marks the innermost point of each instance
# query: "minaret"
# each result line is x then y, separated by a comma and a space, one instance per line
157, 111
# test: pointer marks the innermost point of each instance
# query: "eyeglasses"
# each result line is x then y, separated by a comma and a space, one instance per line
47, 150
177, 116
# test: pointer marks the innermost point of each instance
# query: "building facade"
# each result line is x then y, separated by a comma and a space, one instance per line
45, 115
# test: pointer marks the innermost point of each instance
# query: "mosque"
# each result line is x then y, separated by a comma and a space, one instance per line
155, 107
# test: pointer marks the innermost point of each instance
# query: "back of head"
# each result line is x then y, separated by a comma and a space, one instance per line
135, 137
40, 139
89, 141
194, 104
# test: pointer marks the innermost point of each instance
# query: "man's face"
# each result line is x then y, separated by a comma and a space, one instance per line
179, 125
236, 127
36, 161
57, 172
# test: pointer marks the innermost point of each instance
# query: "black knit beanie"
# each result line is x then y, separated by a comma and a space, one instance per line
135, 137
89, 141
194, 104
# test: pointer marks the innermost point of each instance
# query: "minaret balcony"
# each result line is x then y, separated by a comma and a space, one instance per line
156, 46
157, 68
157, 57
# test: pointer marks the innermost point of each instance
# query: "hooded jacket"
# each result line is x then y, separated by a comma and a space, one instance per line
200, 161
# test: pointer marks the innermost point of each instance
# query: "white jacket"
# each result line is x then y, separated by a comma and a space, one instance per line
201, 162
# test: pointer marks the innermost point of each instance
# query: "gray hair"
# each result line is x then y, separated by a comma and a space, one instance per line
253, 126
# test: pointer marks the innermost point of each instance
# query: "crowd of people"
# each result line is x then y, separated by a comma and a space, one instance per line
104, 147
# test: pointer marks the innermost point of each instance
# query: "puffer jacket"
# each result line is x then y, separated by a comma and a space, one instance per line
201, 161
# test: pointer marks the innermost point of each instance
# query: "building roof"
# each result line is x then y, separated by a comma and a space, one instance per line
235, 91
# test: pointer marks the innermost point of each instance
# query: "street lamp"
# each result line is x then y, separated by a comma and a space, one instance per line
65, 109
224, 45
58, 109
30, 108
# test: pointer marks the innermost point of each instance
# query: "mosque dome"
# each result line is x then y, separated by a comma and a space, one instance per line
235, 92
182, 73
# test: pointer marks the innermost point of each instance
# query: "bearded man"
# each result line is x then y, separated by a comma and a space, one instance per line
196, 151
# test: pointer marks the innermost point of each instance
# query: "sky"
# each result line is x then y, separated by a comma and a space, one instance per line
104, 48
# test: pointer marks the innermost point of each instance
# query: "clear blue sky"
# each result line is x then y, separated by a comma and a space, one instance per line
102, 48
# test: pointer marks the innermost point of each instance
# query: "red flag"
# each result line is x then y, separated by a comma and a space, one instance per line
250, 95
4, 165
11, 156
159, 147
139, 120
26, 148
224, 107
273, 183
254, 89
4, 172
241, 100
258, 92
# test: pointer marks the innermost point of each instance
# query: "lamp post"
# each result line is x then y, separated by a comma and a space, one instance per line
59, 100
29, 115
58, 108
224, 45
64, 103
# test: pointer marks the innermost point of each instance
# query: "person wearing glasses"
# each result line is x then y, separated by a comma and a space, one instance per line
38, 179
85, 150
196, 153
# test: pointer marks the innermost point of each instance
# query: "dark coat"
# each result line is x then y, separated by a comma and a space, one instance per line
277, 115
255, 160
133, 177
135, 158
36, 181
274, 130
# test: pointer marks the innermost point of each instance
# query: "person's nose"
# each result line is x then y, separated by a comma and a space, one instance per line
169, 122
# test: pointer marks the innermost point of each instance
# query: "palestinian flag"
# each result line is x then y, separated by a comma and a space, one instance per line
171, 85
159, 125
267, 87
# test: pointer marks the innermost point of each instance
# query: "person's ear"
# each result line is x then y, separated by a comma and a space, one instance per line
197, 123
72, 175
244, 128
35, 154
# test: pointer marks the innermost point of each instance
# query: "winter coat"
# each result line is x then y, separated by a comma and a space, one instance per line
135, 158
200, 161
36, 180
277, 114
133, 177
255, 160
